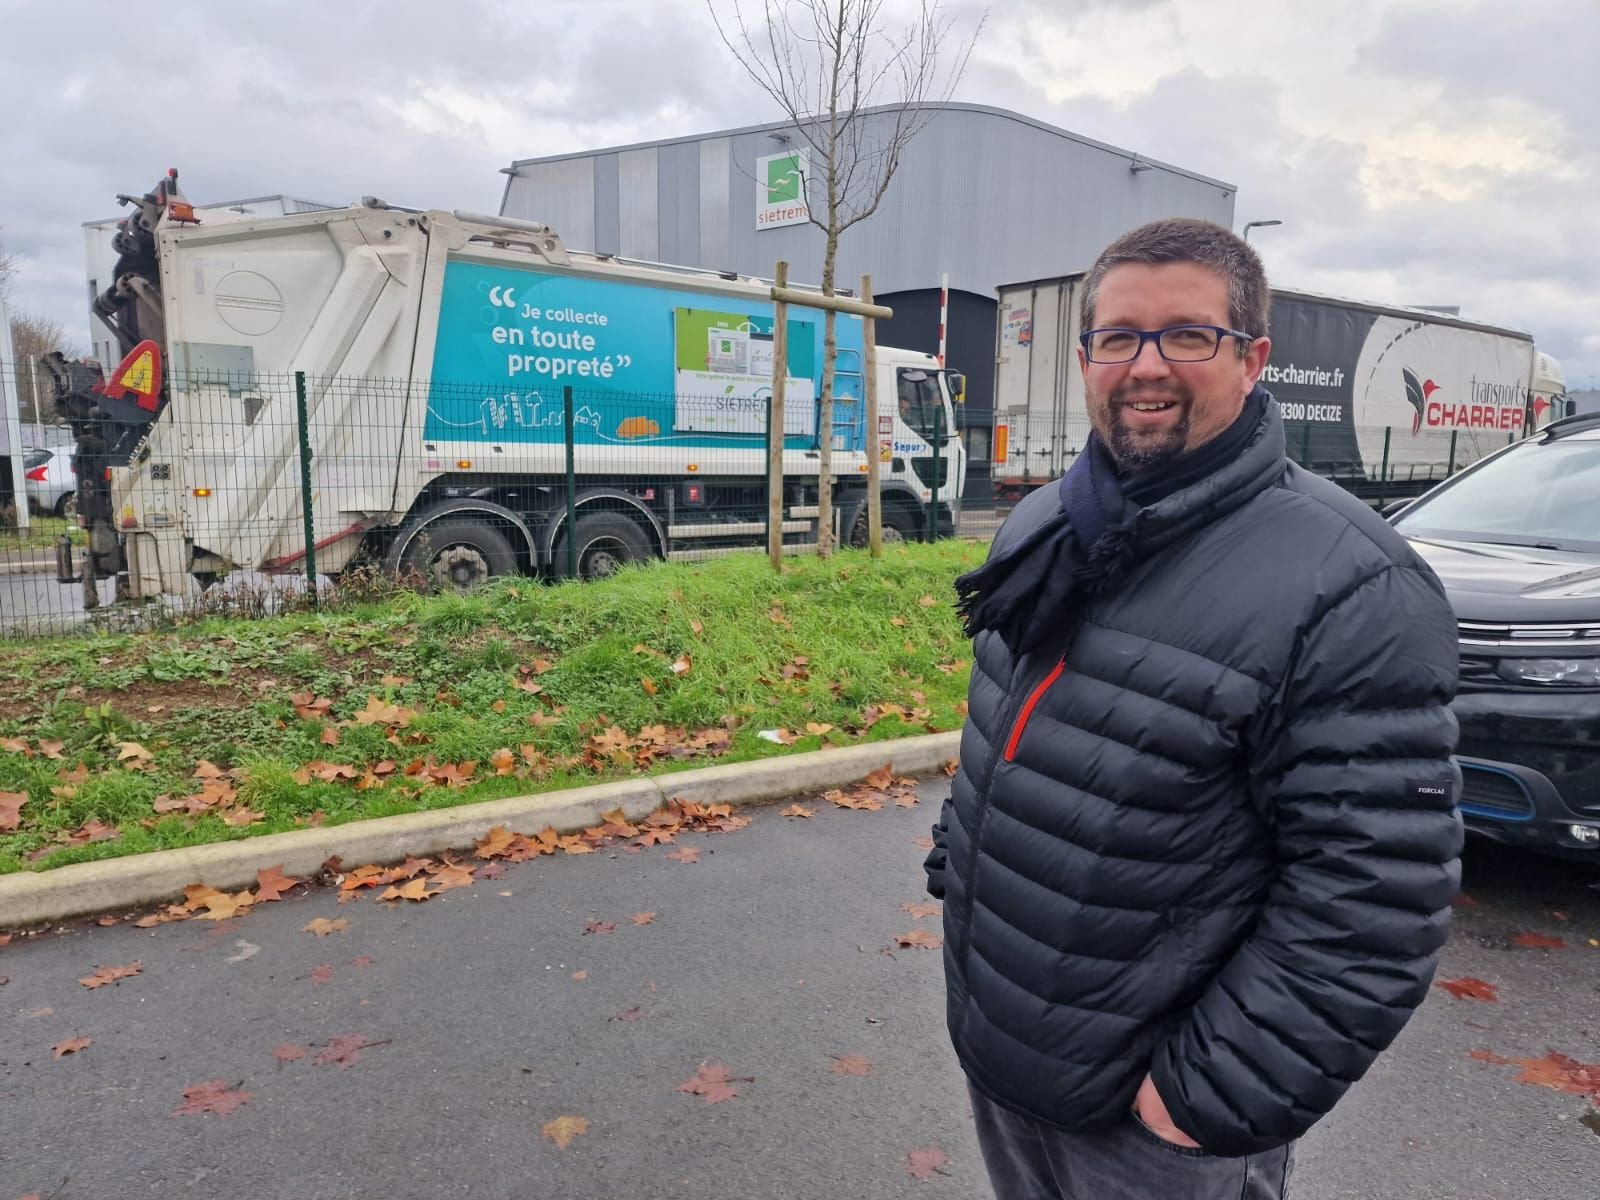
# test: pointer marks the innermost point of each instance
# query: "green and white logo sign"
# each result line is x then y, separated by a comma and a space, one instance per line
781, 189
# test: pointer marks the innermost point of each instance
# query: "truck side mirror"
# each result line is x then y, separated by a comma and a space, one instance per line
957, 383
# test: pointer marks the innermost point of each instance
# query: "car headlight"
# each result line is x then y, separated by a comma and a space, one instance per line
1558, 672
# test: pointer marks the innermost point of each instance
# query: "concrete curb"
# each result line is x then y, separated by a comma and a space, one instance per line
139, 880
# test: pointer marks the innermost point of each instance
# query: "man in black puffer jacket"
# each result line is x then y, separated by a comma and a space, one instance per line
1198, 858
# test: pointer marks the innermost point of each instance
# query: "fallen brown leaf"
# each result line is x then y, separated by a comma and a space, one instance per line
70, 1046
272, 883
322, 974
685, 854
11, 809
851, 1064
105, 975
322, 927
712, 1082
922, 1163
342, 1051
215, 1096
289, 1052
1467, 988
1538, 941
919, 939
599, 927
562, 1130
798, 810
921, 909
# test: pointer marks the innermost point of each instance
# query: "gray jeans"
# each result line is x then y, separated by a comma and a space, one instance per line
1030, 1161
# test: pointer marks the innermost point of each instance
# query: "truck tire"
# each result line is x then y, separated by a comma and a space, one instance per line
67, 506
457, 552
606, 543
854, 527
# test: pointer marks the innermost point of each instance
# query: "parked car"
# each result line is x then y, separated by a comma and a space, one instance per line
1516, 541
50, 483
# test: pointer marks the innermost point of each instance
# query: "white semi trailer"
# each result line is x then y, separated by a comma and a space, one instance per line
436, 348
1386, 401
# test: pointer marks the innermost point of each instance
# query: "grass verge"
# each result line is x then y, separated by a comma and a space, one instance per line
230, 728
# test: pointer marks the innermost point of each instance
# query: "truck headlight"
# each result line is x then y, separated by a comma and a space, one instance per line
1558, 672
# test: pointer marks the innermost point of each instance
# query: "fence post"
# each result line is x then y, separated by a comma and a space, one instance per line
572, 483
872, 431
780, 378
303, 420
1383, 471
933, 502
1450, 467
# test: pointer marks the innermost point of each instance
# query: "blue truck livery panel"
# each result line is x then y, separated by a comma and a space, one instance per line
647, 365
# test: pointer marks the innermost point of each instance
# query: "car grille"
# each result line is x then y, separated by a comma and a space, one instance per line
1485, 635
1489, 793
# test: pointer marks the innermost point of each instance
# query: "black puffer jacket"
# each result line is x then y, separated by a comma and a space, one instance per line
1212, 834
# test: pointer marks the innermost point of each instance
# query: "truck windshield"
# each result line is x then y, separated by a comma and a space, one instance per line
922, 403
1535, 494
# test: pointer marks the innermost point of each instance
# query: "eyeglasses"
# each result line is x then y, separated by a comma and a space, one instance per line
1176, 343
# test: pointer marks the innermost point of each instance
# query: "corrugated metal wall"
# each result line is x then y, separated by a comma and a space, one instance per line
987, 196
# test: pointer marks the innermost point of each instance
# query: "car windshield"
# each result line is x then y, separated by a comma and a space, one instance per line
1543, 494
34, 458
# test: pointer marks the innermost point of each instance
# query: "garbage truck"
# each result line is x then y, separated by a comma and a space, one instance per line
393, 386
1385, 401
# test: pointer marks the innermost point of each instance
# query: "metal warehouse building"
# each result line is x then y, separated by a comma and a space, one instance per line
982, 196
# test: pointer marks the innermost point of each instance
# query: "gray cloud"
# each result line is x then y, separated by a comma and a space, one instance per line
423, 106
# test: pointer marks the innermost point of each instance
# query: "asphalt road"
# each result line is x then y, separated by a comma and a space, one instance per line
765, 956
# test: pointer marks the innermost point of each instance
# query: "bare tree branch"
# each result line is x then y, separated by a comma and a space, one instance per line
855, 96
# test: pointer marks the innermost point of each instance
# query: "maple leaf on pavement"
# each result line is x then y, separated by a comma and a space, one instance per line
562, 1130
322, 974
414, 889
220, 906
322, 927
494, 843
881, 778
642, 918
342, 1051
922, 843
214, 1096
655, 837
923, 1162
599, 927
70, 1046
1538, 941
1467, 988
712, 1082
798, 810
629, 1014
922, 909
105, 975
272, 883
685, 854
451, 875
289, 1052
918, 939
851, 1064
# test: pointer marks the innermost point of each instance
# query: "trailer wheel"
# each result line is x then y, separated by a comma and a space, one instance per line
458, 553
607, 542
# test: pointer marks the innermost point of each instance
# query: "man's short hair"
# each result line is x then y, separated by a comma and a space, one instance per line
1185, 239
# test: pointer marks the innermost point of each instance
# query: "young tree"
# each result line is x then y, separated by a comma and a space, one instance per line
32, 337
855, 92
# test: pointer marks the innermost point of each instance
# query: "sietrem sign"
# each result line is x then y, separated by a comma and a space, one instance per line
781, 189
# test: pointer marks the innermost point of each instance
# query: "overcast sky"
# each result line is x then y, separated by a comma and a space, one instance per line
1416, 151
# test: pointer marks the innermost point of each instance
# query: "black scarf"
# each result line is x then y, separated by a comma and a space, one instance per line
1089, 544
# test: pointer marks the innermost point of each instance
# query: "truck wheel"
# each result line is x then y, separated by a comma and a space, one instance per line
855, 532
67, 506
458, 553
606, 543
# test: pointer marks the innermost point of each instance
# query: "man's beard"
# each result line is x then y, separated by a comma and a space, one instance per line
1141, 452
